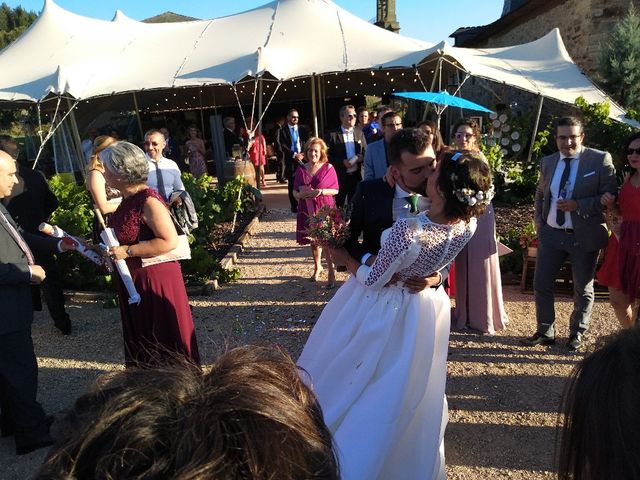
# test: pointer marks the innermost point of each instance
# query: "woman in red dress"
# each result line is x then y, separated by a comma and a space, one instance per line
258, 153
160, 326
314, 186
620, 270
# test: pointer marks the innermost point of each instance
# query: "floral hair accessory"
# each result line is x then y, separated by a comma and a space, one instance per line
472, 197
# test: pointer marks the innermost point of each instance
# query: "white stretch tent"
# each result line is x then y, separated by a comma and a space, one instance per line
64, 54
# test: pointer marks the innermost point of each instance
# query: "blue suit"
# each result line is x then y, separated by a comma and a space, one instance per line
375, 160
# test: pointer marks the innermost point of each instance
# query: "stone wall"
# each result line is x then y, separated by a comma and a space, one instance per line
584, 26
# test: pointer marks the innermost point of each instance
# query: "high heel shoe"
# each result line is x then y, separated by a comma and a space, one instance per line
316, 275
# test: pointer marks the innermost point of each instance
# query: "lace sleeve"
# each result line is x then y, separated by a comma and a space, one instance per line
390, 256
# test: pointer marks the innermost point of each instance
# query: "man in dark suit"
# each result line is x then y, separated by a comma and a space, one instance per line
21, 416
376, 204
291, 140
570, 224
347, 146
231, 138
32, 202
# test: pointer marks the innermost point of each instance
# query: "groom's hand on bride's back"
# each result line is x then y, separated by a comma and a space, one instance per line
417, 284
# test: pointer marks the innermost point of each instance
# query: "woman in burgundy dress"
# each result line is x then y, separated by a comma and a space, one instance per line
315, 185
160, 326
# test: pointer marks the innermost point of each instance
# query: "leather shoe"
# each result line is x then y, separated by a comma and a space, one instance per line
575, 340
537, 339
64, 326
45, 441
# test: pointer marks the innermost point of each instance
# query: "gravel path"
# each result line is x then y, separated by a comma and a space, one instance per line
503, 398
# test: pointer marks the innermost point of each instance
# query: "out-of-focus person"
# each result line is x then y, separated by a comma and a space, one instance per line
249, 416
164, 174
430, 128
376, 158
105, 199
30, 203
87, 144
172, 150
196, 151
620, 270
258, 152
230, 135
20, 413
315, 185
347, 147
160, 325
600, 436
478, 292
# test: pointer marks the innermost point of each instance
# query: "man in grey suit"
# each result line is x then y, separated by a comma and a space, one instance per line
20, 413
375, 158
570, 224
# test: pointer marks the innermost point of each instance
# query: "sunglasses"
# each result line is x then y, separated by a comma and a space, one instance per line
631, 151
350, 115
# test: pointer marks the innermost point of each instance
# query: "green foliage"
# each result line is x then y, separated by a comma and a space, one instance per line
226, 275
619, 61
200, 266
511, 262
75, 213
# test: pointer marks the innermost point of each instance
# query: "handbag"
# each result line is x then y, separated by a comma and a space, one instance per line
181, 252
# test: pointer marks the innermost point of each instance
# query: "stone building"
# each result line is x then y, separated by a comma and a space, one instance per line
584, 26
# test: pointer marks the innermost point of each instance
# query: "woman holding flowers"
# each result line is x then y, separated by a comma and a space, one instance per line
314, 186
377, 356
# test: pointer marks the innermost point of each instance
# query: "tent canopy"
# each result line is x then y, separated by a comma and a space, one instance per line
84, 58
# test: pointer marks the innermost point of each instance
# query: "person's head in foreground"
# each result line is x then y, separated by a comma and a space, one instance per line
601, 428
461, 187
249, 417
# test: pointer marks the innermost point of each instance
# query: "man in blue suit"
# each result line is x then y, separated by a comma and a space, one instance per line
376, 159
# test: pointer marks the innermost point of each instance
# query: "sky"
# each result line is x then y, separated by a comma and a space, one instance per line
429, 20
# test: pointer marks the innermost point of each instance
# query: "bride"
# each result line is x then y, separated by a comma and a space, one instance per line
376, 357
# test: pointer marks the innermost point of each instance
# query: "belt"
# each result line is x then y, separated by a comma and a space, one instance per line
566, 230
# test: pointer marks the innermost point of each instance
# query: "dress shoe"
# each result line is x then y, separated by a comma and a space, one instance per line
537, 339
575, 340
45, 441
64, 326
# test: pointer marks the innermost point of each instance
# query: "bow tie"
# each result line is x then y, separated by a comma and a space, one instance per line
412, 200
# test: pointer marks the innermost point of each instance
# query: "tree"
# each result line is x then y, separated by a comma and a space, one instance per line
619, 61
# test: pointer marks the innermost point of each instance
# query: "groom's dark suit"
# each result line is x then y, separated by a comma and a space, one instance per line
371, 214
18, 366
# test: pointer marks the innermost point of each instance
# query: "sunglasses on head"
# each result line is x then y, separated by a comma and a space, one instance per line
631, 151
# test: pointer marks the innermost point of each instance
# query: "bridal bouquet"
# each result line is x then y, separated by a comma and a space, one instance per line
328, 228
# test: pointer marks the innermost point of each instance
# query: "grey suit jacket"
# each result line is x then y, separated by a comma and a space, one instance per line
375, 160
15, 288
595, 176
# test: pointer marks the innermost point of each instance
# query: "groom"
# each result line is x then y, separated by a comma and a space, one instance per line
376, 204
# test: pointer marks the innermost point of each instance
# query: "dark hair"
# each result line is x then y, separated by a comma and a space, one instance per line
631, 139
362, 109
472, 124
601, 428
468, 171
9, 145
438, 143
409, 140
387, 116
569, 122
250, 416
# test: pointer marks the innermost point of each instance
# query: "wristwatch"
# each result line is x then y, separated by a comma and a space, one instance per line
129, 252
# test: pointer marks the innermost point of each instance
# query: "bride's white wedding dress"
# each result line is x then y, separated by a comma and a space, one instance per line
377, 355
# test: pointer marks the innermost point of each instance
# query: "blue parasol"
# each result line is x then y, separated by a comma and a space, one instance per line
444, 100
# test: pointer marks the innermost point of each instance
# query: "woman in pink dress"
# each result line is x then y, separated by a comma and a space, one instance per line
258, 154
195, 147
315, 185
478, 283
620, 270
160, 326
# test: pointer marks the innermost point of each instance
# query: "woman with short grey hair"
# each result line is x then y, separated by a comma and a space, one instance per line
160, 326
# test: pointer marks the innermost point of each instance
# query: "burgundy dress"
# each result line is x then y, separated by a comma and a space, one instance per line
161, 325
324, 178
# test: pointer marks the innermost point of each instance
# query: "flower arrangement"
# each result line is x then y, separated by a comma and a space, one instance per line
471, 197
328, 228
528, 236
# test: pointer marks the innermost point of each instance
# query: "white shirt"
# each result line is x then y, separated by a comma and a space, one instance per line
349, 142
554, 188
170, 176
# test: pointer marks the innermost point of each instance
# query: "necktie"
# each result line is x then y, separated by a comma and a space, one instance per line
294, 140
562, 193
413, 201
18, 238
161, 189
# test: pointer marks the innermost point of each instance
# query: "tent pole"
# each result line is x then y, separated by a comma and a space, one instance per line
258, 126
135, 104
313, 105
535, 128
201, 112
76, 137
323, 104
